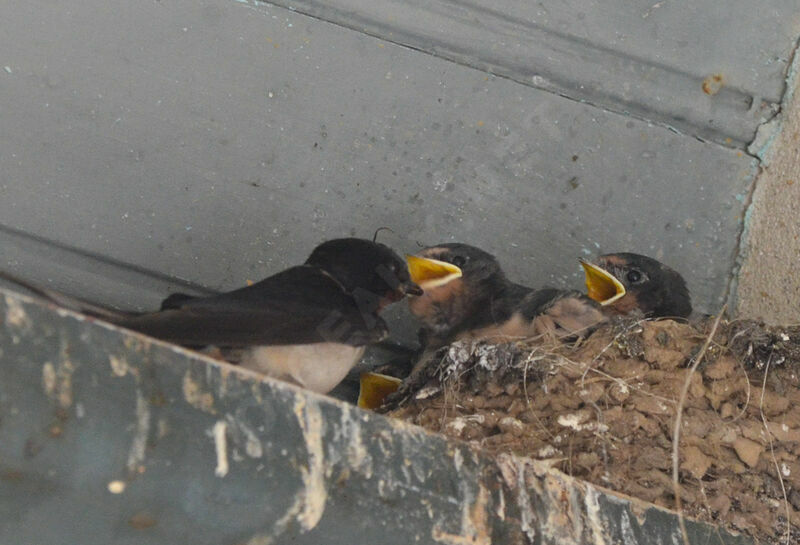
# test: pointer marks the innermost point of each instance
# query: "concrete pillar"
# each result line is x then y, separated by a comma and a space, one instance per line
769, 280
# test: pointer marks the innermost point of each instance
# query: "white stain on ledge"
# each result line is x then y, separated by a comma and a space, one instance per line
15, 314
117, 487
358, 457
475, 528
241, 433
252, 446
195, 395
626, 528
65, 371
49, 379
137, 452
119, 365
315, 495
593, 515
458, 460
220, 447
309, 502
57, 382
513, 470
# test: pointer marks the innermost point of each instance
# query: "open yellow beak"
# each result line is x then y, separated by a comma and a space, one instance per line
601, 285
374, 388
431, 273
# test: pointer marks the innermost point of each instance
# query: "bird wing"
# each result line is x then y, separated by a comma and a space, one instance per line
300, 305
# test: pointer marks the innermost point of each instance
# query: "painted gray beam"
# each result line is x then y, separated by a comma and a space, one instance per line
61, 267
706, 71
217, 142
111, 437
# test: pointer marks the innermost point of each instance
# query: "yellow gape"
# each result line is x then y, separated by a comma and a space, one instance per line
431, 273
601, 285
374, 388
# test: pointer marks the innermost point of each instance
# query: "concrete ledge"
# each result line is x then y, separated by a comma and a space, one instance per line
111, 437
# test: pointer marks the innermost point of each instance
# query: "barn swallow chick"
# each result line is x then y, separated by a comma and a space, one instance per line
308, 324
624, 282
468, 297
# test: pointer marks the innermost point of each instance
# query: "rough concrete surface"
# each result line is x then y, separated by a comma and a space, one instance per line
769, 282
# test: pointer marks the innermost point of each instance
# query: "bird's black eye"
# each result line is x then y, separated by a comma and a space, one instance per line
633, 276
458, 261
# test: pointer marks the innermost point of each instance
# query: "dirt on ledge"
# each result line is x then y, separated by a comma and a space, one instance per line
604, 410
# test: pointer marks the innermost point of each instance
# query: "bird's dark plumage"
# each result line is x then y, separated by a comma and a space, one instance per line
334, 297
333, 300
302, 304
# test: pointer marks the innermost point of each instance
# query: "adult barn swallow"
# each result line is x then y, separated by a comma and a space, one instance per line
467, 296
308, 324
624, 282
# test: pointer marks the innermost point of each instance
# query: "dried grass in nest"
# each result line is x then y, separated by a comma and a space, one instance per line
604, 408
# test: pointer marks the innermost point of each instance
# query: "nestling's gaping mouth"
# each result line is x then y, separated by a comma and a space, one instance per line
374, 388
431, 273
601, 285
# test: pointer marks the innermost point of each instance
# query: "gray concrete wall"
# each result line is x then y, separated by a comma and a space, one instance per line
148, 145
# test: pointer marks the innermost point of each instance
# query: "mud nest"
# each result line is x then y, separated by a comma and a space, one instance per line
604, 410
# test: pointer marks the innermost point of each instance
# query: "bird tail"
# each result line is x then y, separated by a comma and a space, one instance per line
66, 301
